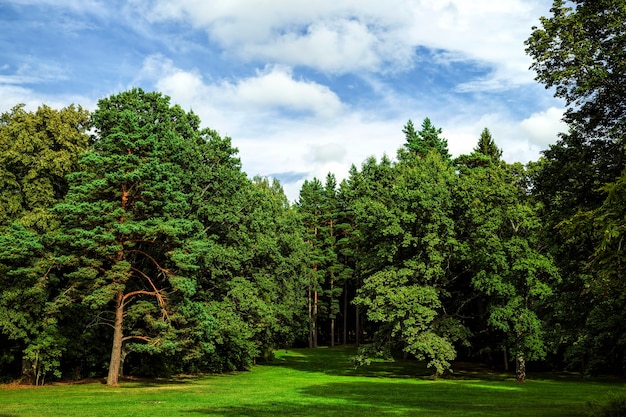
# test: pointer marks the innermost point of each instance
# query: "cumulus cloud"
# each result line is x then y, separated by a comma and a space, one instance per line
273, 88
351, 35
543, 127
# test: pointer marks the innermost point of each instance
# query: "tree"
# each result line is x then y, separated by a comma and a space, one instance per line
488, 147
426, 139
601, 333
407, 238
581, 50
499, 244
37, 150
310, 208
125, 225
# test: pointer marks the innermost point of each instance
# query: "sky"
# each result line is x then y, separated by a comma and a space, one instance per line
302, 87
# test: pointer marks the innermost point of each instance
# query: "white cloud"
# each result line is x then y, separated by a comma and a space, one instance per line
346, 36
234, 102
543, 127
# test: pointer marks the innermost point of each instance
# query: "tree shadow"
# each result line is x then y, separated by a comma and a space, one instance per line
376, 397
338, 361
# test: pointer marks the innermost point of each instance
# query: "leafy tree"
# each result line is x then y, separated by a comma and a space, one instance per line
600, 338
37, 150
251, 278
407, 237
125, 223
499, 235
581, 50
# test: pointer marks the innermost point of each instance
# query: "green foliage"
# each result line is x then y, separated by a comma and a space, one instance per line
426, 139
37, 150
407, 237
124, 224
580, 50
487, 146
500, 250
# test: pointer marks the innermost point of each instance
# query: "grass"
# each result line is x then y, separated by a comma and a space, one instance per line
319, 382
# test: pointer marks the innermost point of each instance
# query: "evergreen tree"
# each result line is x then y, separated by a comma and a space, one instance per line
488, 147
125, 226
427, 138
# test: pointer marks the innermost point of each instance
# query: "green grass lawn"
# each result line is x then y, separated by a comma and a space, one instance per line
320, 382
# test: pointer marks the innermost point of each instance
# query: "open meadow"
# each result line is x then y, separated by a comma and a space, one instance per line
321, 382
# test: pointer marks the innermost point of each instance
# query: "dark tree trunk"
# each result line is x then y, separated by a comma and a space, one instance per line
315, 319
332, 320
357, 325
345, 313
310, 319
506, 359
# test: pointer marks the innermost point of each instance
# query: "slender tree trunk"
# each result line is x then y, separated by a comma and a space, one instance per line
345, 313
506, 359
310, 319
357, 326
116, 351
332, 320
315, 334
520, 368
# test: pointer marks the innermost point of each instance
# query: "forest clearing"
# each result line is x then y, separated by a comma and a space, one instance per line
318, 382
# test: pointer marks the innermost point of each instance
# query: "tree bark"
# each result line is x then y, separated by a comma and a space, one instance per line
332, 320
506, 359
345, 313
357, 326
315, 319
310, 319
116, 351
520, 368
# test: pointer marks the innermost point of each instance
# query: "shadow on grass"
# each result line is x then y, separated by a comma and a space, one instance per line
338, 362
403, 398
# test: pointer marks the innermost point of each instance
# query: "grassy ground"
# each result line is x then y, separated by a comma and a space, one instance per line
318, 382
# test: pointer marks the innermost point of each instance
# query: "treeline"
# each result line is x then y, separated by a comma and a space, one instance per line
131, 242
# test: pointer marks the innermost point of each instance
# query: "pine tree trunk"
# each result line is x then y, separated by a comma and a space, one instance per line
357, 327
315, 319
116, 351
310, 319
332, 320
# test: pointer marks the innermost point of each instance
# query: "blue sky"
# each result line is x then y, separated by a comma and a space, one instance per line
302, 87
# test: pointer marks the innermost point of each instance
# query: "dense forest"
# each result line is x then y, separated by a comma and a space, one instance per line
132, 242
